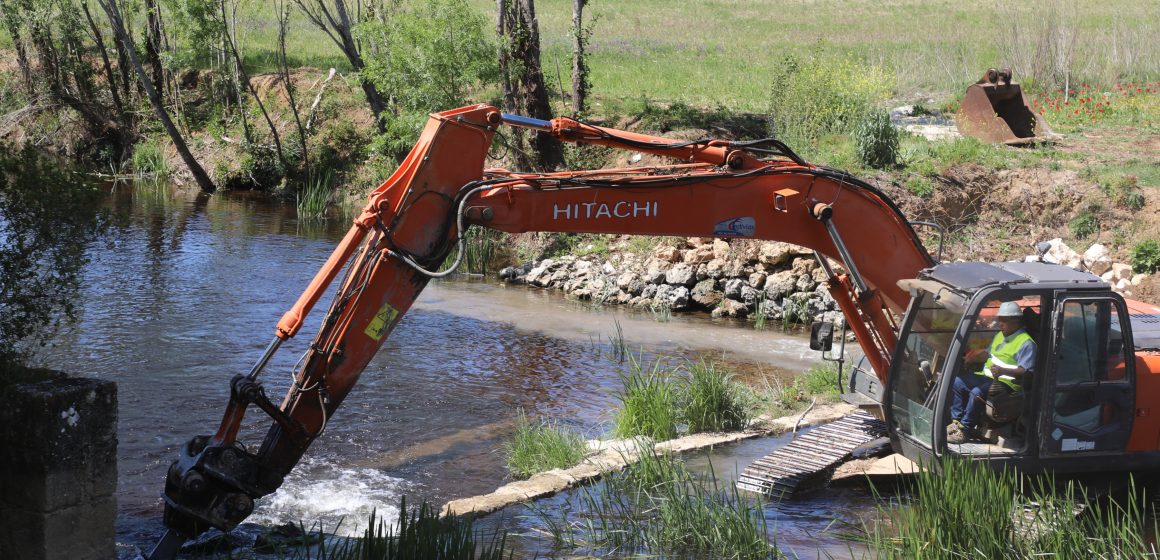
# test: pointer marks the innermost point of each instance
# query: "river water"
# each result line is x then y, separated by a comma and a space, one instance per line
185, 293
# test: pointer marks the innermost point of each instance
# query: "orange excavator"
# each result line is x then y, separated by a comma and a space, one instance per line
1091, 406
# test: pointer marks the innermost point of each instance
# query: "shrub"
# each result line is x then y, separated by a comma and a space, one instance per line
1085, 224
1146, 256
540, 446
712, 401
431, 54
823, 95
876, 140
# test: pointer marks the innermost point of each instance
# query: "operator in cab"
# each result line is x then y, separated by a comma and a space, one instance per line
1011, 360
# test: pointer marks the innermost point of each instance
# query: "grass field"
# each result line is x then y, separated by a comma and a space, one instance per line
724, 52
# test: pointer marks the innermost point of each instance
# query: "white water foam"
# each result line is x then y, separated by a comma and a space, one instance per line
326, 494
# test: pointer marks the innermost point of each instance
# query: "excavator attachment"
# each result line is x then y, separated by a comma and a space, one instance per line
996, 110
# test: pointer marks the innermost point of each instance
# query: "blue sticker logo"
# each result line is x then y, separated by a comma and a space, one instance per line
744, 226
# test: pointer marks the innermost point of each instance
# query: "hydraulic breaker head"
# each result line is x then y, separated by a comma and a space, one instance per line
996, 110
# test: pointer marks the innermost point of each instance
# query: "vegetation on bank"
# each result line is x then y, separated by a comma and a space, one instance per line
240, 80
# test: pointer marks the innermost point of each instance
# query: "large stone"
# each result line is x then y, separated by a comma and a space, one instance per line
649, 291
733, 288
1138, 278
775, 253
538, 276
655, 271
679, 298
722, 249
757, 280
705, 294
1060, 253
696, 255
715, 268
681, 274
748, 294
805, 282
780, 284
1097, 260
730, 308
667, 253
1121, 271
630, 282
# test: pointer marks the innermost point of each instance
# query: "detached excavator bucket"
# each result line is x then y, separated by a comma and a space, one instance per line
996, 110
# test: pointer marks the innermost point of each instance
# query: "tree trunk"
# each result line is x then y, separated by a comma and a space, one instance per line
9, 14
531, 90
580, 81
338, 26
99, 39
502, 22
118, 26
153, 45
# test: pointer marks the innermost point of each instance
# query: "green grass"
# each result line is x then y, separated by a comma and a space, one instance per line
648, 402
724, 52
420, 532
778, 399
540, 446
712, 401
970, 511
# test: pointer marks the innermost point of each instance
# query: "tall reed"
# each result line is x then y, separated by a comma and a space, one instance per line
314, 196
971, 511
657, 508
711, 401
648, 401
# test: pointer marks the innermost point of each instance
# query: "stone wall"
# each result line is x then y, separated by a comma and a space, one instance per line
58, 475
777, 280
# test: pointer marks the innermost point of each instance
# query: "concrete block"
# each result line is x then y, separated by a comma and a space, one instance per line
59, 475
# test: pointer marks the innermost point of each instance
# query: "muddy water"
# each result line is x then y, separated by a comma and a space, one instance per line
186, 292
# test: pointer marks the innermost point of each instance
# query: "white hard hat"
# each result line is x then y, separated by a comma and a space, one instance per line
1010, 309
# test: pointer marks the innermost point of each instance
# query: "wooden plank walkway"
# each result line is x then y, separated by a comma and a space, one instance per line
807, 457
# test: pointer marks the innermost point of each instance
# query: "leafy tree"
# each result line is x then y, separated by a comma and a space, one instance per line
46, 223
436, 54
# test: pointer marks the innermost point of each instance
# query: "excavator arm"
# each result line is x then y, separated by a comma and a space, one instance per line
415, 219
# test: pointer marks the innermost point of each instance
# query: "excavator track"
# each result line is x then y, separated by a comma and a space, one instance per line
806, 458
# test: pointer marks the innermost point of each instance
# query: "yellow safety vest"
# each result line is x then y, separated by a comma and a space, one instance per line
1004, 353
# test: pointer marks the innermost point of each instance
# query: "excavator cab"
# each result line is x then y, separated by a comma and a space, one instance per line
1072, 412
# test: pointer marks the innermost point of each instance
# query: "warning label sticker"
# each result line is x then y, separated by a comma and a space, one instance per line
382, 322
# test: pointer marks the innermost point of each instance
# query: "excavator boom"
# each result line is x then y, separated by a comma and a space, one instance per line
415, 219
